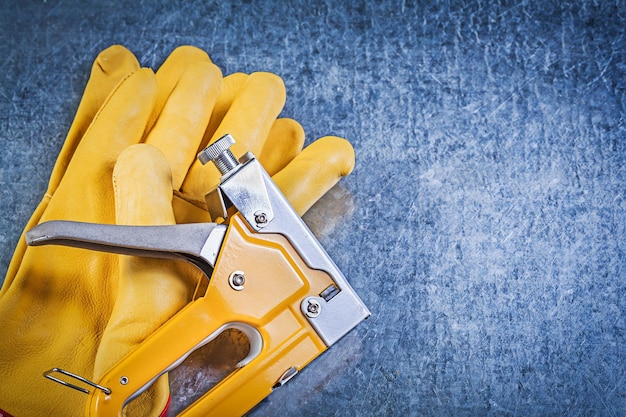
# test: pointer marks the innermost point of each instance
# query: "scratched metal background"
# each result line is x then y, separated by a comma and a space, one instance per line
485, 222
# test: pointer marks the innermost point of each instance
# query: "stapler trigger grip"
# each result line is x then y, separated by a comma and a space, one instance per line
197, 243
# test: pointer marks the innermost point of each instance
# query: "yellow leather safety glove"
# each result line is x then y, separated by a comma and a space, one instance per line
81, 310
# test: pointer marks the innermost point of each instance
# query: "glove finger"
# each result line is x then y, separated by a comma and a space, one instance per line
284, 143
150, 291
109, 68
191, 210
143, 196
142, 183
170, 72
231, 86
85, 191
315, 171
249, 120
184, 117
253, 112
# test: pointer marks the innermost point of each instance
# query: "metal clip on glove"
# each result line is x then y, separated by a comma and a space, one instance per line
84, 311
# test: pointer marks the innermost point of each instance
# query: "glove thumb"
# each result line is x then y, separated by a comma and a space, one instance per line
150, 291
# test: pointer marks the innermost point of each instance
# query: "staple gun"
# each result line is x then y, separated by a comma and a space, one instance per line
269, 278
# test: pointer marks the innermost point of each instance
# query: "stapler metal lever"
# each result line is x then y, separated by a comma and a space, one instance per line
269, 278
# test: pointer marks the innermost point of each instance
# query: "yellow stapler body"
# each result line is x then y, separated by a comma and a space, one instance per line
269, 278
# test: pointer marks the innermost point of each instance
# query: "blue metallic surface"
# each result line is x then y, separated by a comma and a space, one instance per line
485, 222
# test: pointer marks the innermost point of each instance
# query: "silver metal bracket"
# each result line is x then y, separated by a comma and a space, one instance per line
245, 190
241, 185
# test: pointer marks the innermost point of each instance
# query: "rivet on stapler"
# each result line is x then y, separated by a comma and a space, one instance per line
292, 302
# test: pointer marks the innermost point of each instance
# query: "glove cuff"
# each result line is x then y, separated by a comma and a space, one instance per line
165, 410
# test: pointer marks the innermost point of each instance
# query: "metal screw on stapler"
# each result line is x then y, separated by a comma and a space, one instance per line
236, 280
313, 309
260, 218
219, 152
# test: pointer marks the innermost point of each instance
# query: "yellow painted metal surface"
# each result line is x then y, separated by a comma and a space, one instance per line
276, 282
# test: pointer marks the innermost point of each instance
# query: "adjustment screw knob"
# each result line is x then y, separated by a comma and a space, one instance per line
219, 153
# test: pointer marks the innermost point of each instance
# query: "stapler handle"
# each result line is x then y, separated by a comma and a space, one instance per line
162, 352
197, 243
